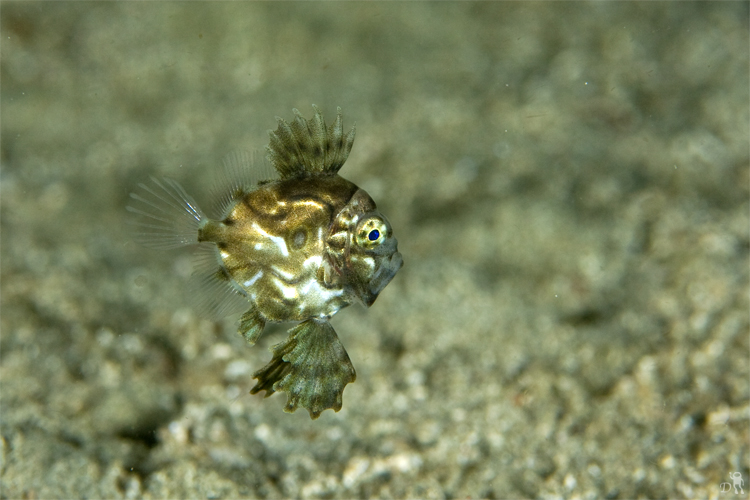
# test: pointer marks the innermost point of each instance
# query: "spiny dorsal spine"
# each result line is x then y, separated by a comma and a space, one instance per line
303, 148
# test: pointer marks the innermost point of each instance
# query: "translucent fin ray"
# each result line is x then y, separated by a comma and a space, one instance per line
242, 173
303, 148
165, 216
214, 293
311, 366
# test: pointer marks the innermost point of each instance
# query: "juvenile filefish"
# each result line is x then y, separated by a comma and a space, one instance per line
299, 247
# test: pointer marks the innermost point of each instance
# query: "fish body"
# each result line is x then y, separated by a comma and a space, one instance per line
297, 248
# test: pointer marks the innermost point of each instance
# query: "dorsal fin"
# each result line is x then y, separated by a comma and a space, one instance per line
242, 173
304, 148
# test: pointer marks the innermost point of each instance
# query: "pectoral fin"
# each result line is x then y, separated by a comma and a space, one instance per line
251, 326
311, 366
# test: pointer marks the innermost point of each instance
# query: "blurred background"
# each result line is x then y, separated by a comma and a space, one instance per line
568, 183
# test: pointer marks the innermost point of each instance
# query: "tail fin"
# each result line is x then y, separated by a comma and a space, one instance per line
165, 215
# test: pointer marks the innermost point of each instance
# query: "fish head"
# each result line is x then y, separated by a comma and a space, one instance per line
370, 257
374, 258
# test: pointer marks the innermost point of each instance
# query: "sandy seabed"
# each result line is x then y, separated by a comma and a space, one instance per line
569, 186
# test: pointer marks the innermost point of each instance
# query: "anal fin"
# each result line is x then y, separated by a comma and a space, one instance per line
311, 366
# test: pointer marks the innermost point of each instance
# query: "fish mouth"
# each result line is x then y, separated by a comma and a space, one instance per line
383, 275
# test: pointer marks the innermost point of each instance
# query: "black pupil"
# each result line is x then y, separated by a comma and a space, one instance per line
374, 235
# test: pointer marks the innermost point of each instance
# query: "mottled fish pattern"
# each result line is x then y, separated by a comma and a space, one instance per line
296, 248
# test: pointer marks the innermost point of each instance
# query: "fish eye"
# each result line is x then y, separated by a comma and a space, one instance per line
372, 231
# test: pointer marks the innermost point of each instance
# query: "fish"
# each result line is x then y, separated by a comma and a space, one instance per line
295, 245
